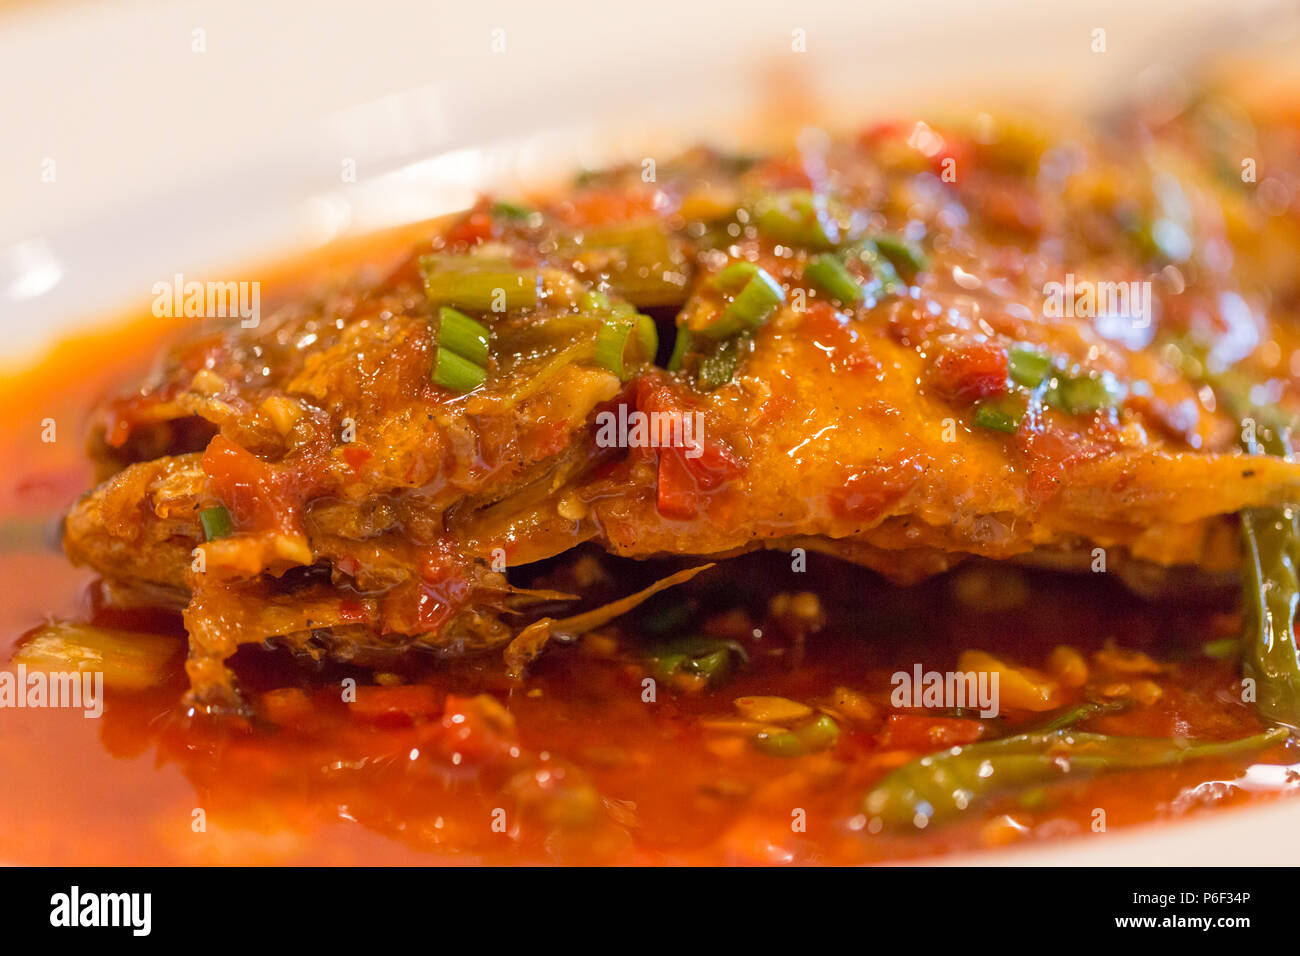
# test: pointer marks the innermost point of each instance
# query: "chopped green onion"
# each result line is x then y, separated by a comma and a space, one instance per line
752, 306
594, 302
216, 522
641, 260
456, 372
998, 417
883, 274
647, 337
458, 332
906, 256
719, 366
734, 276
1027, 366
828, 273
478, 283
797, 217
510, 210
614, 336
681, 345
1085, 393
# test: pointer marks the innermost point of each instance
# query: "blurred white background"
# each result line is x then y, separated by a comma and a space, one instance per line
209, 134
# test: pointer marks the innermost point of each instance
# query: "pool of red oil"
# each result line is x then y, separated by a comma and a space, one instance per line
453, 762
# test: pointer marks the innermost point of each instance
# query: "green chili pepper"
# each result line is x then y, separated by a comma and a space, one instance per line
456, 373
817, 734
695, 655
1085, 711
1270, 540
938, 787
464, 336
758, 297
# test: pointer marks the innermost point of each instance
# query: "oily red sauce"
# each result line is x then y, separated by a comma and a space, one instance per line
583, 769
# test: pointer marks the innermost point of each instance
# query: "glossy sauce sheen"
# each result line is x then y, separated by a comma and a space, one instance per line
589, 772
447, 759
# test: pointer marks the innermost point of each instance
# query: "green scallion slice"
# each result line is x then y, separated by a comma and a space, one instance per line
718, 367
829, 274
1083, 394
216, 522
797, 217
999, 417
647, 338
617, 334
594, 302
681, 345
735, 276
458, 332
457, 372
477, 283
752, 306
510, 210
1027, 366
906, 256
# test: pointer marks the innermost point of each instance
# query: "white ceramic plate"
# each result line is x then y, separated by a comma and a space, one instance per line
141, 139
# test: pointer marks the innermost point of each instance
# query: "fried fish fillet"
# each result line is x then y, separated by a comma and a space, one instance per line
953, 405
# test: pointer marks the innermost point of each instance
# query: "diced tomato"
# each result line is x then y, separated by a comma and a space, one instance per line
1013, 206
838, 339
474, 227
784, 172
602, 205
548, 438
678, 495
1051, 450
352, 610
876, 133
866, 493
971, 372
356, 456
921, 733
253, 490
686, 475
